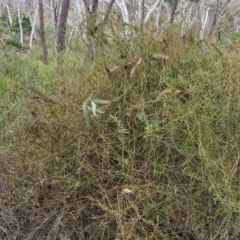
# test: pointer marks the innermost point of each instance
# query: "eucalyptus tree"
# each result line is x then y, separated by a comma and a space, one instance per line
62, 25
92, 25
219, 9
5, 4
204, 16
20, 22
42, 31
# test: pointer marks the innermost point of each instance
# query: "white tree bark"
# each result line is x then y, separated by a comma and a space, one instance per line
8, 12
204, 22
20, 23
125, 15
33, 27
159, 10
189, 14
123, 7
152, 9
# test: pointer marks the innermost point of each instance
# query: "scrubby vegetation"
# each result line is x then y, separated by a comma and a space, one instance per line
141, 143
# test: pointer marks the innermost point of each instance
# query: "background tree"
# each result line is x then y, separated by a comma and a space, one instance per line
42, 31
33, 32
92, 26
89, 17
173, 11
218, 11
20, 19
91, 13
62, 25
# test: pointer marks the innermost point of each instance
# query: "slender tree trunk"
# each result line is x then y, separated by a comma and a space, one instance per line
63, 25
20, 24
204, 22
91, 26
173, 11
55, 18
141, 22
218, 12
33, 28
214, 20
42, 32
9, 14
109, 8
151, 10
143, 11
158, 14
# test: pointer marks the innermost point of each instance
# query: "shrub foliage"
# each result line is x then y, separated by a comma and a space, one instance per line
158, 161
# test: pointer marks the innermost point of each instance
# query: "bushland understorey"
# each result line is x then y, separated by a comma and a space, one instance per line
140, 143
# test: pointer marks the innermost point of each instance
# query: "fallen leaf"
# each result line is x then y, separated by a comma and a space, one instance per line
178, 91
134, 67
126, 190
113, 69
160, 56
176, 218
131, 63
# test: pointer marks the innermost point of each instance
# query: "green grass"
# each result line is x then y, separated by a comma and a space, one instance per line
160, 162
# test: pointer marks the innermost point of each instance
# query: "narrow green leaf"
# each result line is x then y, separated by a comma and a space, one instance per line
85, 115
100, 101
97, 110
94, 107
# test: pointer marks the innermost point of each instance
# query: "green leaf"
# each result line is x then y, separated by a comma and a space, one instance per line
100, 101
85, 115
97, 110
94, 107
124, 130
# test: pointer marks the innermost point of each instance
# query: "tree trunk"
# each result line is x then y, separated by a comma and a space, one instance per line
20, 24
91, 26
63, 25
33, 28
218, 12
143, 11
42, 32
55, 18
173, 11
109, 8
9, 14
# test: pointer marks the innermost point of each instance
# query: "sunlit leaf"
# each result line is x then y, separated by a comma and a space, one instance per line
134, 67
94, 107
100, 101
160, 56
113, 69
97, 110
126, 190
85, 115
125, 131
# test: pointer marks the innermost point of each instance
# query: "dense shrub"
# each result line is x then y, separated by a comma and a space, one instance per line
158, 161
